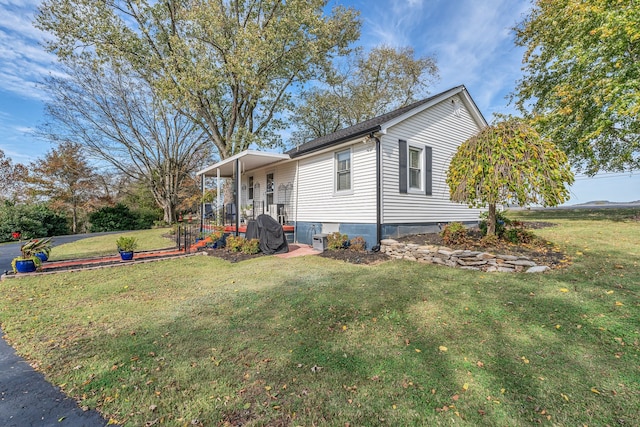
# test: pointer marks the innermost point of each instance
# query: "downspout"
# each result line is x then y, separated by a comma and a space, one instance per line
295, 222
378, 191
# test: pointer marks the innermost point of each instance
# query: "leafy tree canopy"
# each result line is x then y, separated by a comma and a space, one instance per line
368, 85
508, 162
228, 65
65, 178
582, 74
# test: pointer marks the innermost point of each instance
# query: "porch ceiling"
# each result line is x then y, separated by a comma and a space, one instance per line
249, 160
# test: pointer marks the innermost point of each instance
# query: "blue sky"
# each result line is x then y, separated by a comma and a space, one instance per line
471, 40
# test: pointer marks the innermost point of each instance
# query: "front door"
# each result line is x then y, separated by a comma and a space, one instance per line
271, 185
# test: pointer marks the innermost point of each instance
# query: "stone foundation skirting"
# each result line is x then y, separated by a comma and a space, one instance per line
464, 259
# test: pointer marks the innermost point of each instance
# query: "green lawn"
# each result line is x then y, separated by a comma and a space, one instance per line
313, 341
106, 244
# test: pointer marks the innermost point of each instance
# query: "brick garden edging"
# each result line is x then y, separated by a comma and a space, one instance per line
464, 259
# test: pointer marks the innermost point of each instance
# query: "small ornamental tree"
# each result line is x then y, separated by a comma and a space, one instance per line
508, 162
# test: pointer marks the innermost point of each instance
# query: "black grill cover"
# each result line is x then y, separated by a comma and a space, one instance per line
271, 235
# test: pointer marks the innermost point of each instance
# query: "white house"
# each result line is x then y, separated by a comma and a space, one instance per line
384, 177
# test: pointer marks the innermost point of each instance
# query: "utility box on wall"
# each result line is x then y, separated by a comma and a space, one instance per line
320, 242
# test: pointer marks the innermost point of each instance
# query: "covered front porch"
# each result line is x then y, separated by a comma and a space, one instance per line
248, 184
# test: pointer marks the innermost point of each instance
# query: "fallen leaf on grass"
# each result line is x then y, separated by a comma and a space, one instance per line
465, 386
443, 348
479, 364
564, 290
618, 303
524, 359
564, 396
594, 390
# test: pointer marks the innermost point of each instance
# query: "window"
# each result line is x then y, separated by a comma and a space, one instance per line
415, 168
343, 170
250, 188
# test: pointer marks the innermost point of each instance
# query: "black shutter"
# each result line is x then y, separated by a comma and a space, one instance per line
402, 147
428, 171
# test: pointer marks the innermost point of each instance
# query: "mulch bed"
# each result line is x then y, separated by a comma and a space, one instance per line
539, 251
354, 257
231, 256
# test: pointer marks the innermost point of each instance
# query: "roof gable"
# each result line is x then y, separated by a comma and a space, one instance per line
381, 123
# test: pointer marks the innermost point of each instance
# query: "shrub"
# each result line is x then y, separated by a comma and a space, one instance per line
337, 241
251, 247
30, 221
235, 243
454, 233
357, 244
114, 218
518, 233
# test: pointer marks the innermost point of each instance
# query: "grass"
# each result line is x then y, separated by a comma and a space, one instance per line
313, 341
106, 244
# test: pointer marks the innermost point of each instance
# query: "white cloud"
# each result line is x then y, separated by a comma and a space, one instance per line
23, 61
471, 40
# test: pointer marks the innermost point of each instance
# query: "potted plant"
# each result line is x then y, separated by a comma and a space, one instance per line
28, 261
126, 246
217, 237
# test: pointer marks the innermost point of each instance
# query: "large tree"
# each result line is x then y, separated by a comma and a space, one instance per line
508, 162
12, 178
582, 74
228, 65
370, 84
120, 119
66, 179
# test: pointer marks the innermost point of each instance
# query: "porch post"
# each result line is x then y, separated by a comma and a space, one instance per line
202, 208
237, 198
219, 190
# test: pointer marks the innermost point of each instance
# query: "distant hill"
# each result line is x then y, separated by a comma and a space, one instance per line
607, 203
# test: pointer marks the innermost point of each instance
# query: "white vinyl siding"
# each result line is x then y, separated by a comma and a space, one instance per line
319, 202
443, 130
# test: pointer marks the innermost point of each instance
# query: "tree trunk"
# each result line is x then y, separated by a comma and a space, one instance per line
491, 221
74, 220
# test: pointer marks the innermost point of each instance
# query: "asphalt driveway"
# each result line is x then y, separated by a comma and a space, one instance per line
8, 251
26, 398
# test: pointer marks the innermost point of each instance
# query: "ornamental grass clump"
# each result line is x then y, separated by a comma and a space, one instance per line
126, 244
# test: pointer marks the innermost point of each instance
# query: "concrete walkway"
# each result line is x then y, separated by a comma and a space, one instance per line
27, 399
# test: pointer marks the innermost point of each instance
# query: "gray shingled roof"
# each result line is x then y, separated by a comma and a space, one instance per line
360, 129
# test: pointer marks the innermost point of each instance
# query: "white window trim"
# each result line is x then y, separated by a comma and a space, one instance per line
420, 189
335, 173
